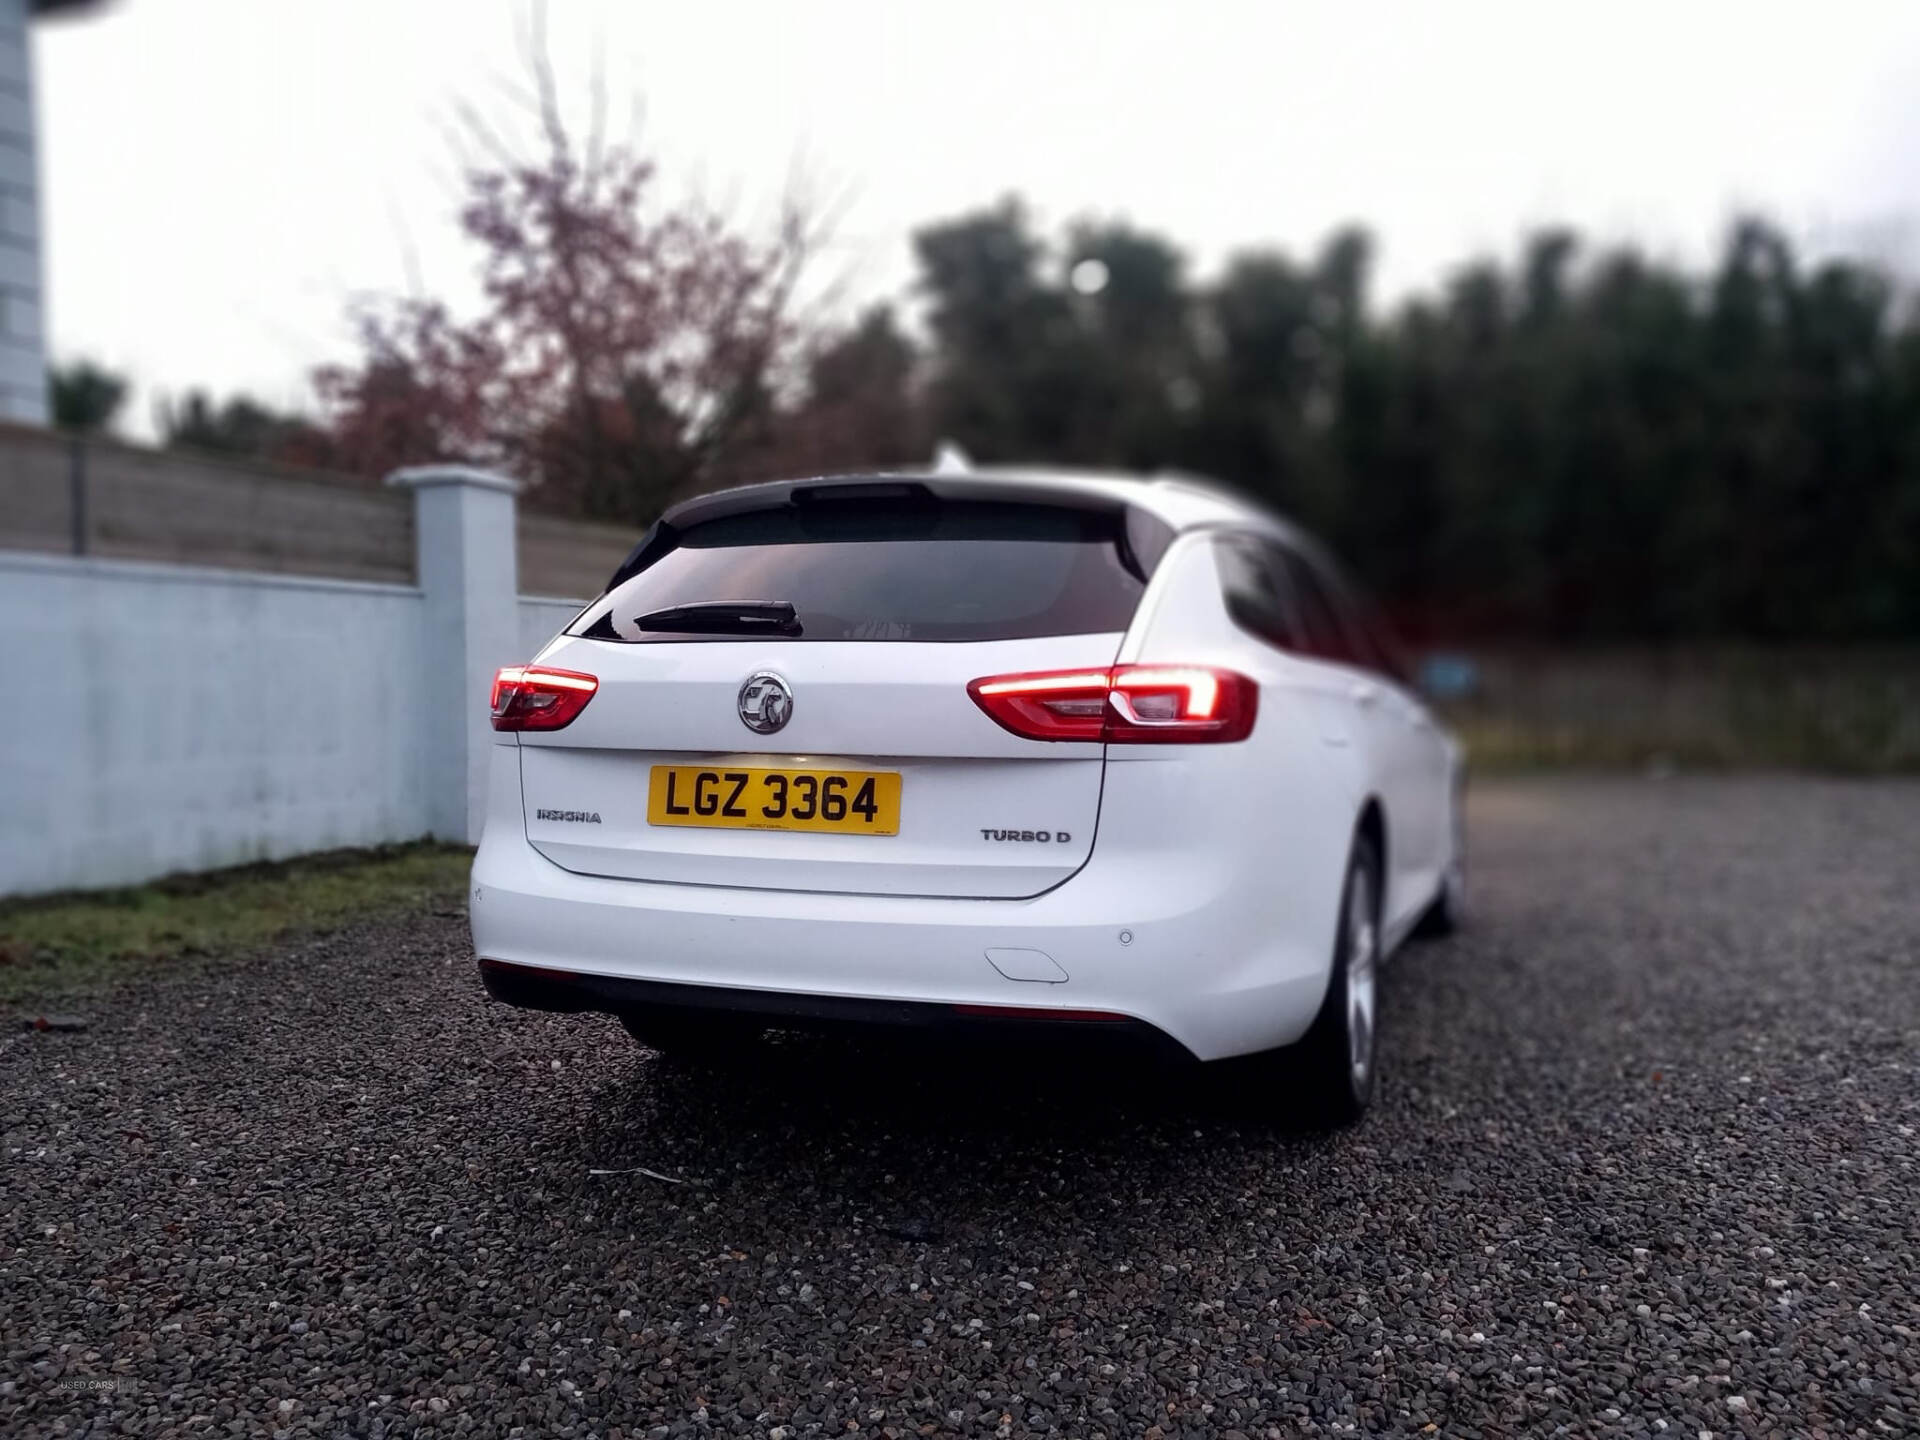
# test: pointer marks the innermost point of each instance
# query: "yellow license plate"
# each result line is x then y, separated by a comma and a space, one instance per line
719, 797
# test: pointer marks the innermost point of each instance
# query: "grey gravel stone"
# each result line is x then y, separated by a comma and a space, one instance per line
1643, 1162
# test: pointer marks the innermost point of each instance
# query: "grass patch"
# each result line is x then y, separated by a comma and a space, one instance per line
61, 945
1836, 711
1504, 746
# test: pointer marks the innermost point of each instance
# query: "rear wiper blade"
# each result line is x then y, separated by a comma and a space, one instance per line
725, 617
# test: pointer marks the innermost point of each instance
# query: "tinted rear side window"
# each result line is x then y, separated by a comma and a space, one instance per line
1321, 633
1253, 578
912, 570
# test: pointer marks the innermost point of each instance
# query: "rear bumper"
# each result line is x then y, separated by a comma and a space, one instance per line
1220, 966
536, 988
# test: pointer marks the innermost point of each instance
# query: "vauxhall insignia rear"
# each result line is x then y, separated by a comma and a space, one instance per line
1233, 805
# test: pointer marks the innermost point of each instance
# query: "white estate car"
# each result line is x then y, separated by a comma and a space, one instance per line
1015, 749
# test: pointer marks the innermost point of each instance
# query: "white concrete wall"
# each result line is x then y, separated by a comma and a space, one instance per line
541, 618
23, 358
169, 718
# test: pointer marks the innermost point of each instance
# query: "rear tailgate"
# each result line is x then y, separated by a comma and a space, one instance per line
981, 812
895, 605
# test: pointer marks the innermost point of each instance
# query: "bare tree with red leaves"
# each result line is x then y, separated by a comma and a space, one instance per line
626, 351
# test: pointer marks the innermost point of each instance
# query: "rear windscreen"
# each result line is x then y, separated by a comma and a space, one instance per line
866, 570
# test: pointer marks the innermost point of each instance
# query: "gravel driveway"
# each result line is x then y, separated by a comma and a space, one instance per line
1644, 1161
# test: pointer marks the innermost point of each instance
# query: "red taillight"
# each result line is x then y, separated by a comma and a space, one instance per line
535, 697
1124, 704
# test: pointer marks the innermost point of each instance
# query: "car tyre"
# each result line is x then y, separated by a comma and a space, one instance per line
1448, 912
1332, 1067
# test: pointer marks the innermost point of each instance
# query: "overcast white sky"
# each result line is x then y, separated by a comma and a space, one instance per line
221, 176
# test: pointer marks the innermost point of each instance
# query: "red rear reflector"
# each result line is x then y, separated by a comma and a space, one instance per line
1124, 704
535, 697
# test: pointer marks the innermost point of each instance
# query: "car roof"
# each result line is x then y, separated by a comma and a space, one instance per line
1182, 502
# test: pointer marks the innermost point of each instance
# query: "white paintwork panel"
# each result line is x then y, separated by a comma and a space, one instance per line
1358, 731
940, 850
857, 706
